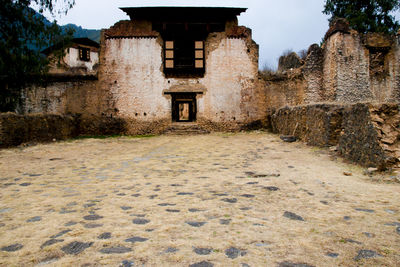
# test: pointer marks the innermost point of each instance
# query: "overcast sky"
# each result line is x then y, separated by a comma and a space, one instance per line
277, 25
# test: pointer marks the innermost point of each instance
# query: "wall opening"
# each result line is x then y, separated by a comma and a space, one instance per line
184, 107
378, 67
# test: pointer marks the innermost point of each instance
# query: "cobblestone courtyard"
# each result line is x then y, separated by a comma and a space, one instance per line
245, 199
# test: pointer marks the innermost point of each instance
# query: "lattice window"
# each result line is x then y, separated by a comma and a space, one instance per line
184, 57
199, 54
169, 54
84, 54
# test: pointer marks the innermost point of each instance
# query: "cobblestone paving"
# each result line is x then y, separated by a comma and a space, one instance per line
245, 199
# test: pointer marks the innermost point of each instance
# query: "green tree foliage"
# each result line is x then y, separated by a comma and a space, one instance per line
365, 15
23, 34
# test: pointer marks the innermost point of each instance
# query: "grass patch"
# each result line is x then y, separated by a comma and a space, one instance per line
142, 136
82, 137
95, 137
226, 134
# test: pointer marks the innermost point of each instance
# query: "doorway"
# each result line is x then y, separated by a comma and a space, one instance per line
184, 107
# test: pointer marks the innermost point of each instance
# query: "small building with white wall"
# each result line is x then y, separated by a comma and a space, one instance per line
80, 56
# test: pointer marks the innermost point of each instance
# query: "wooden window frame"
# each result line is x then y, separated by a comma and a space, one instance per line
168, 59
199, 49
84, 53
171, 60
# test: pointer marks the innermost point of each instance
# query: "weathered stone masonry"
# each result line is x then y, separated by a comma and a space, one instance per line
367, 134
139, 89
349, 70
135, 87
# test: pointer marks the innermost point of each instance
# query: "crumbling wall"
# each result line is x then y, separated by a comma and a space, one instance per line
134, 87
285, 90
17, 129
370, 135
289, 62
131, 79
348, 68
61, 97
317, 125
367, 134
296, 86
360, 67
231, 81
313, 75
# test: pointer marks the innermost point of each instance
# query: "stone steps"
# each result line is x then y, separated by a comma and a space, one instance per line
185, 128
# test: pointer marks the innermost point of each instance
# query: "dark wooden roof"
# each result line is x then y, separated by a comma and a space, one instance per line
202, 14
86, 41
78, 41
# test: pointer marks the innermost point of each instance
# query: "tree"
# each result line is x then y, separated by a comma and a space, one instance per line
23, 34
365, 15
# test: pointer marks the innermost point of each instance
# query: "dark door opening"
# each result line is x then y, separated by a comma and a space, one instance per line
184, 107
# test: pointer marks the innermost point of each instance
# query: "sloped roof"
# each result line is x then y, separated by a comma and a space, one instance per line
86, 41
78, 41
182, 13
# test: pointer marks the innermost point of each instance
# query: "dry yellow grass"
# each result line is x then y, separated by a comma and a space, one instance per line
70, 180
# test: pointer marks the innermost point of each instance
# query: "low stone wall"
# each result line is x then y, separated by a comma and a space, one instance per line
317, 125
124, 126
366, 134
370, 135
17, 129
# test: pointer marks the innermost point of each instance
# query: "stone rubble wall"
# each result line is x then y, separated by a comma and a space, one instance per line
348, 68
18, 129
364, 133
71, 96
345, 70
282, 90
315, 124
370, 135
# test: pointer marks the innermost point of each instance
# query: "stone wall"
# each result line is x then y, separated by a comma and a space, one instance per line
285, 89
348, 68
17, 129
131, 87
134, 86
367, 134
317, 125
61, 96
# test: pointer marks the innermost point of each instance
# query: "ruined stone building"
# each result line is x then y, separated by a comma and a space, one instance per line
164, 65
349, 67
180, 64
344, 94
174, 65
